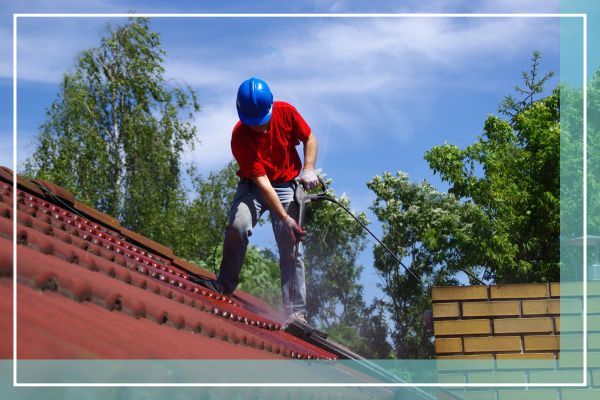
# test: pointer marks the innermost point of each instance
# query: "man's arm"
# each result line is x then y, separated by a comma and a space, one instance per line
309, 178
276, 208
310, 152
269, 195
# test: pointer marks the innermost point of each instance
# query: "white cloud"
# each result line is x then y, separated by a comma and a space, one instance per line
342, 74
199, 73
446, 6
214, 125
25, 148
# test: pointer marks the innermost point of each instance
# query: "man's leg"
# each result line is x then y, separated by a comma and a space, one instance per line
291, 256
246, 209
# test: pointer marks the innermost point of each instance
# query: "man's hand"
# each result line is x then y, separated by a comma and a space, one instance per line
309, 179
294, 228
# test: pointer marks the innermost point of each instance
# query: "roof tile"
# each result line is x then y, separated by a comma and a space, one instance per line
82, 263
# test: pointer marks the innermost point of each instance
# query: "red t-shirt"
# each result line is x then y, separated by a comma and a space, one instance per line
272, 153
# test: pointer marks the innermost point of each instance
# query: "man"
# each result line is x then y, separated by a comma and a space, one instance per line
264, 145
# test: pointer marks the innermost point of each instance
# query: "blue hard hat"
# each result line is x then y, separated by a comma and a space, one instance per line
254, 102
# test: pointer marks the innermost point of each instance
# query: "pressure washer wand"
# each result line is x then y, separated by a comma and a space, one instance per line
302, 198
372, 234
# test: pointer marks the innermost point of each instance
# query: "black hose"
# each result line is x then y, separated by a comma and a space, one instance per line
372, 234
331, 199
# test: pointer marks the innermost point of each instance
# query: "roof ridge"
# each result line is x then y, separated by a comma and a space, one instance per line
50, 192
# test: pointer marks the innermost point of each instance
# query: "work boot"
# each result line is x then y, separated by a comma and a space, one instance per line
210, 284
214, 286
298, 316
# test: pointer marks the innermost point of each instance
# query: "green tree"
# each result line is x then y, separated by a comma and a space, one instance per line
500, 215
206, 213
374, 331
335, 300
437, 236
115, 134
206, 216
512, 174
333, 243
534, 85
572, 158
572, 177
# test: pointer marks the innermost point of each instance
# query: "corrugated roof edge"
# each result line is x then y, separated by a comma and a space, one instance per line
63, 194
191, 267
253, 303
97, 215
55, 190
148, 244
6, 174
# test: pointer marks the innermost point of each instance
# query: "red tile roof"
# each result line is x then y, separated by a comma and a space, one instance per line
90, 289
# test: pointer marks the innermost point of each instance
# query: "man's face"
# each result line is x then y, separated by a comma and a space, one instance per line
261, 128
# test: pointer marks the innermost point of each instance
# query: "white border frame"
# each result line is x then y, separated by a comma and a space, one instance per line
301, 15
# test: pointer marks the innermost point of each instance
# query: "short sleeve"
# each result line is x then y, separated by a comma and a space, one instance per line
301, 128
248, 160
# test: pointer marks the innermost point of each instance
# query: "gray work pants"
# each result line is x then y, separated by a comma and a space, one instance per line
248, 205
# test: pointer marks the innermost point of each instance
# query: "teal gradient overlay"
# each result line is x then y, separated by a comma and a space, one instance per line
571, 197
422, 371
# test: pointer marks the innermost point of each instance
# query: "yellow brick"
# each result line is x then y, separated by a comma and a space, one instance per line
575, 324
523, 325
596, 378
464, 362
551, 307
575, 289
571, 342
529, 394
525, 361
593, 323
490, 308
566, 289
451, 378
593, 360
445, 310
467, 357
579, 394
525, 356
574, 359
593, 289
593, 306
488, 394
462, 327
453, 293
541, 342
448, 345
541, 307
492, 343
519, 291
593, 341
497, 377
555, 376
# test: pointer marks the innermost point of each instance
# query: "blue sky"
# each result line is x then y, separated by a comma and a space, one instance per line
377, 92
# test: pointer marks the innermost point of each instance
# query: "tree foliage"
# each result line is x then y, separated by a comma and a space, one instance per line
334, 294
115, 134
333, 243
512, 174
206, 217
500, 214
572, 158
534, 85
436, 235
